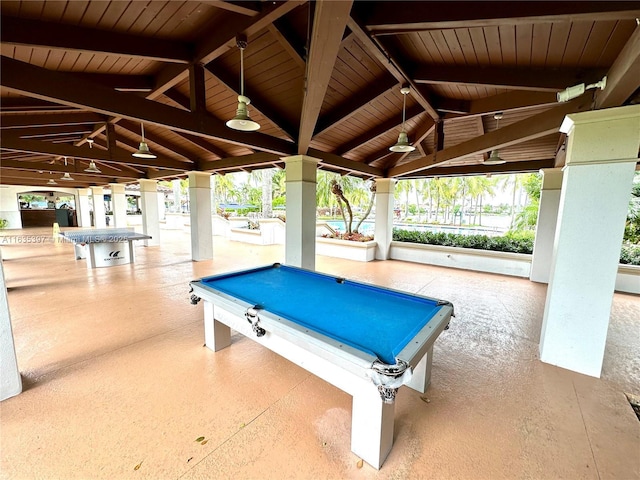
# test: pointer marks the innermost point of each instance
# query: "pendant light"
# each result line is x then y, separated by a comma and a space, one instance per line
242, 121
494, 158
143, 149
92, 168
51, 181
66, 177
403, 145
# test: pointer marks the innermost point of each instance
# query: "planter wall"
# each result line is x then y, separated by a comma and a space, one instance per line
359, 251
515, 264
247, 236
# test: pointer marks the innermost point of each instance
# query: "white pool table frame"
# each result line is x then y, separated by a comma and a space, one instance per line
345, 367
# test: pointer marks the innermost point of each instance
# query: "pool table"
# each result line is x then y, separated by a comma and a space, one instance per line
364, 339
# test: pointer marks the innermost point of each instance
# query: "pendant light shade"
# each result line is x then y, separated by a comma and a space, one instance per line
66, 177
92, 168
52, 182
494, 158
242, 121
403, 145
143, 149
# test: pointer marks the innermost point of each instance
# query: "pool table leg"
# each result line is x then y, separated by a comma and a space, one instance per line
421, 375
371, 426
217, 335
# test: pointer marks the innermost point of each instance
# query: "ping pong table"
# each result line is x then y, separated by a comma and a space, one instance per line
104, 247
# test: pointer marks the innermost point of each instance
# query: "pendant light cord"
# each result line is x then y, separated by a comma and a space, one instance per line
142, 127
404, 107
242, 71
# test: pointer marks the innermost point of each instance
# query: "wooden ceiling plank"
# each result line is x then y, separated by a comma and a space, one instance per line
533, 127
329, 23
22, 31
623, 77
548, 79
120, 82
390, 18
203, 144
65, 88
352, 105
251, 160
287, 46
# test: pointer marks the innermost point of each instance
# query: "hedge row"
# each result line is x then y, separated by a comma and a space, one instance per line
516, 242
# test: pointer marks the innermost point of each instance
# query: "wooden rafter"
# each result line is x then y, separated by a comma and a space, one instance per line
329, 22
50, 120
624, 76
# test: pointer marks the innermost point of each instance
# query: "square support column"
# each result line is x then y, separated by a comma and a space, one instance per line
602, 153
150, 214
84, 208
200, 211
300, 245
546, 227
10, 380
119, 205
384, 217
99, 216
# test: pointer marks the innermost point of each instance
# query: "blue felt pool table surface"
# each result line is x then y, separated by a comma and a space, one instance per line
373, 319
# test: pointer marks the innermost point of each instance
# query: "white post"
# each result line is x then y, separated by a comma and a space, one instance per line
201, 223
99, 218
119, 205
10, 380
150, 215
384, 217
602, 153
83, 208
546, 227
300, 245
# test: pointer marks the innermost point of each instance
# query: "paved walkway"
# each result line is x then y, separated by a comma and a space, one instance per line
118, 384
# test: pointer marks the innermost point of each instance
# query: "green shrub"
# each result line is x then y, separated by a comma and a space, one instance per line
516, 242
3, 223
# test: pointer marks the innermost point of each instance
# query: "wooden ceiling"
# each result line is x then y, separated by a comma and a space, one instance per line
324, 80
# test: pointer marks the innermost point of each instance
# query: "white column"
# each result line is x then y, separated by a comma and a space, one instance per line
602, 153
546, 227
200, 207
10, 380
119, 205
83, 209
300, 244
99, 218
150, 215
384, 217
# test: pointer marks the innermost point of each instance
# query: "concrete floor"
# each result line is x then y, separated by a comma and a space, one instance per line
118, 384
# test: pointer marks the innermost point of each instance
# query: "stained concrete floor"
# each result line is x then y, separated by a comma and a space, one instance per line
118, 384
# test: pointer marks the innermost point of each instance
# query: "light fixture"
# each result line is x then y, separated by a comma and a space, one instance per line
403, 145
143, 149
574, 92
51, 181
66, 177
242, 121
90, 142
494, 158
92, 168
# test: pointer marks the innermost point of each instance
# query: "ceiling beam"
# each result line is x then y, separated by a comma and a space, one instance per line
50, 120
233, 163
548, 79
480, 169
382, 56
329, 22
71, 168
530, 128
504, 102
43, 132
64, 88
391, 17
245, 7
19, 105
114, 155
345, 164
623, 77
203, 144
38, 33
287, 45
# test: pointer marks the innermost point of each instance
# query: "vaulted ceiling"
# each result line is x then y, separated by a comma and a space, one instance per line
79, 77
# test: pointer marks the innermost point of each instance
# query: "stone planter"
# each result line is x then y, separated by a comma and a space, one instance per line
359, 251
